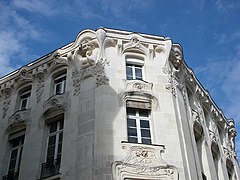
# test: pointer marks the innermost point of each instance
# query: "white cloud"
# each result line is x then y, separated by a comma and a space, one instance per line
43, 7
15, 31
225, 6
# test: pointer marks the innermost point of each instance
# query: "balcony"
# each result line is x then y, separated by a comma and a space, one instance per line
50, 168
11, 176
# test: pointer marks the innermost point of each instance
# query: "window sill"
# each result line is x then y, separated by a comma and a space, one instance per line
54, 177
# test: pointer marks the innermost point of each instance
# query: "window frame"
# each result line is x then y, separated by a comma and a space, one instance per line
22, 99
57, 133
18, 158
135, 63
62, 78
138, 127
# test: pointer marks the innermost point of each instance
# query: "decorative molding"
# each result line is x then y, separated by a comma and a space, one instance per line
25, 76
137, 90
59, 102
172, 83
143, 162
40, 85
135, 43
19, 120
7, 92
97, 71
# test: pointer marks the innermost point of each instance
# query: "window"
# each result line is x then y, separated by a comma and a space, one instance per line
15, 158
230, 170
60, 84
134, 72
24, 100
138, 124
134, 68
54, 149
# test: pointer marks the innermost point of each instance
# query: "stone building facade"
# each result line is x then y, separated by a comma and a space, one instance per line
113, 105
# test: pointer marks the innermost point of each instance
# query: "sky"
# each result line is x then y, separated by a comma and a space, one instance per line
208, 31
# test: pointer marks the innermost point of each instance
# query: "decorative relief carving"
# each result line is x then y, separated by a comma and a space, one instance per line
19, 117
97, 71
195, 116
176, 57
57, 101
7, 92
143, 161
173, 83
138, 85
135, 44
40, 85
232, 133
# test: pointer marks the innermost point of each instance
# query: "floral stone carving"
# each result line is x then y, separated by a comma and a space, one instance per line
143, 161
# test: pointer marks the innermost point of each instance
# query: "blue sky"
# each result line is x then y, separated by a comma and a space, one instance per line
208, 30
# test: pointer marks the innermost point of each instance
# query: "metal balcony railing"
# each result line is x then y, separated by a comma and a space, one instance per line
50, 168
11, 176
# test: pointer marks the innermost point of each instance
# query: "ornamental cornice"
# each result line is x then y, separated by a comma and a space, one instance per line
143, 161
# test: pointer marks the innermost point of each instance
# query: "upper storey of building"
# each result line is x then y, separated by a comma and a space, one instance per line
96, 49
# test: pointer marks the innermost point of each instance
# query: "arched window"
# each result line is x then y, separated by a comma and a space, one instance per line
24, 98
134, 68
198, 134
59, 83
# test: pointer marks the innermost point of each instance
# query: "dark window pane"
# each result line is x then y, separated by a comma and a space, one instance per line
25, 96
131, 122
24, 104
146, 141
138, 73
131, 111
50, 152
53, 127
143, 112
60, 137
132, 139
145, 133
129, 72
132, 132
59, 148
144, 124
52, 140
61, 124
58, 89
14, 154
12, 164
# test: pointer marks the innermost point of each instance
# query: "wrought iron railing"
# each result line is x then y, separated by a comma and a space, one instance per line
11, 176
50, 168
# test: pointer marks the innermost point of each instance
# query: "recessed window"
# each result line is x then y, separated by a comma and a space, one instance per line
60, 84
138, 125
24, 100
134, 68
134, 72
54, 149
15, 158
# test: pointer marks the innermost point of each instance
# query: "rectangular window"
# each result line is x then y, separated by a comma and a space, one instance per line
24, 100
15, 158
138, 124
54, 149
134, 72
60, 84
